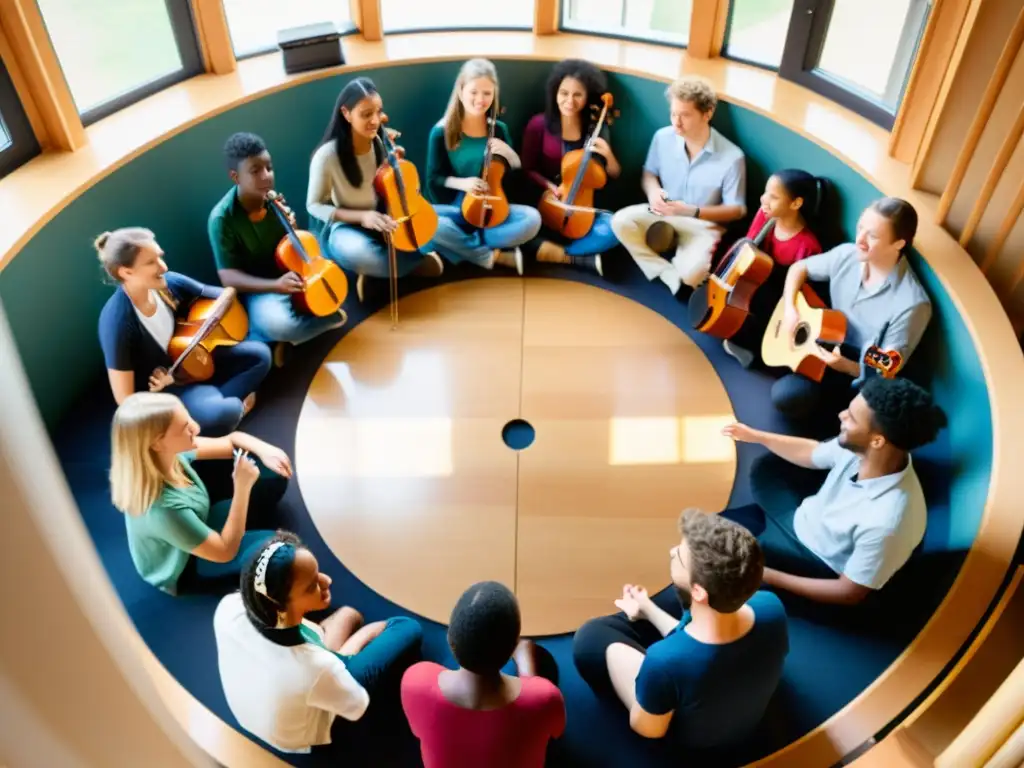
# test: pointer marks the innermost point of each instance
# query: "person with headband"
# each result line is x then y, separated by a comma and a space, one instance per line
286, 678
177, 537
137, 323
477, 715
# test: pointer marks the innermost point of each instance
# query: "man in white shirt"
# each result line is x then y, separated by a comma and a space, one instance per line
869, 515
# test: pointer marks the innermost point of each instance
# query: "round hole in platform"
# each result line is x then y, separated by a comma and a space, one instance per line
518, 434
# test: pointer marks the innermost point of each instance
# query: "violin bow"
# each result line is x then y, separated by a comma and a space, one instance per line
577, 208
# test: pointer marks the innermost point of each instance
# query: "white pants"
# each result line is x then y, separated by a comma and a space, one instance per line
692, 262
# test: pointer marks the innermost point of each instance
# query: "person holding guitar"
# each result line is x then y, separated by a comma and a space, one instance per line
469, 133
695, 180
138, 322
244, 234
574, 92
873, 285
791, 198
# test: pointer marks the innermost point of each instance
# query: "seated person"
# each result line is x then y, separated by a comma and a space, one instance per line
475, 715
574, 93
455, 154
138, 321
695, 179
285, 678
869, 515
780, 228
174, 534
244, 234
872, 284
705, 680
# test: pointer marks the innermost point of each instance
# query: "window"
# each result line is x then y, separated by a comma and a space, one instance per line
663, 21
117, 52
402, 15
254, 24
17, 141
757, 30
856, 52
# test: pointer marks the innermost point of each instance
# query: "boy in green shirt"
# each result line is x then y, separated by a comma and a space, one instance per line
244, 234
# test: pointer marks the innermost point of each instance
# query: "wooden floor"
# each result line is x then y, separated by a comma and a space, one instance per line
401, 463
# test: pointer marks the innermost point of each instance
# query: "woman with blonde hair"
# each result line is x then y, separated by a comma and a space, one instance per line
175, 535
455, 153
137, 323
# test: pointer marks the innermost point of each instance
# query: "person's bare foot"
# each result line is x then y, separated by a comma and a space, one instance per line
525, 657
248, 404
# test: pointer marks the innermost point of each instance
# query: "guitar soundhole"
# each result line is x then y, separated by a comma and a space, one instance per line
801, 335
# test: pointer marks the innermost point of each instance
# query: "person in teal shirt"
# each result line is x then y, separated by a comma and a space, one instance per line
455, 152
176, 536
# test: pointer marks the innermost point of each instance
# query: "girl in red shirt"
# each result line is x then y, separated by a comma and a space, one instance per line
791, 198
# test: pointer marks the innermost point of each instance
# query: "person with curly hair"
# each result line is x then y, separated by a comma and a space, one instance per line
718, 667
574, 91
848, 539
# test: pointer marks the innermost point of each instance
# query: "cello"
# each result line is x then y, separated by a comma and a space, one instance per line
325, 286
491, 209
398, 183
210, 323
571, 212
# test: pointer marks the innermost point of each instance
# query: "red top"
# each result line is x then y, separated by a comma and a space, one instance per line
514, 736
785, 252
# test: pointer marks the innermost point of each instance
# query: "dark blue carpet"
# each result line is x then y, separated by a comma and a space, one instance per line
831, 659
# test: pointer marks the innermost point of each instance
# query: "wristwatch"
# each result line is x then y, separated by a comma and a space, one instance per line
696, 212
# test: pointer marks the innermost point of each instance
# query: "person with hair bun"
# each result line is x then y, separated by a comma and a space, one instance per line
867, 518
286, 678
872, 283
137, 323
477, 715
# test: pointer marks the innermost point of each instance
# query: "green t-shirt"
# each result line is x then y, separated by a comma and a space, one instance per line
161, 539
243, 244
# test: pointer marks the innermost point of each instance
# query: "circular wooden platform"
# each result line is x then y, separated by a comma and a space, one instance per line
401, 463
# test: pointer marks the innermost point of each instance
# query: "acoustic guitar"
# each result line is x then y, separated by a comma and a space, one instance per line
887, 362
720, 305
210, 323
817, 325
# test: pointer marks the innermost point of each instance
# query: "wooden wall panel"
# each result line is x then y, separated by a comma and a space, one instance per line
993, 213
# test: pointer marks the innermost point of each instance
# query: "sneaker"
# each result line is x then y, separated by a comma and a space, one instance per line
431, 266
360, 287
744, 356
598, 266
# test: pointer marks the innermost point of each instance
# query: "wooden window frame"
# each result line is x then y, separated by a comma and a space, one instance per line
24, 145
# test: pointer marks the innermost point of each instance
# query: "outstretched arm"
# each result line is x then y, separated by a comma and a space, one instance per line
795, 450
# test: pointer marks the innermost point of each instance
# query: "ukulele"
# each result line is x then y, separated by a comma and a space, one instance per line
571, 212
210, 323
720, 305
491, 209
398, 183
325, 285
888, 362
817, 325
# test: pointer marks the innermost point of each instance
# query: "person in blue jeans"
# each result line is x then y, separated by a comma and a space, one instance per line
455, 152
286, 678
244, 234
705, 680
177, 536
138, 321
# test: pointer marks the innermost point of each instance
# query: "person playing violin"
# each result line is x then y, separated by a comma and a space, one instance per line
573, 90
455, 152
244, 234
138, 321
695, 180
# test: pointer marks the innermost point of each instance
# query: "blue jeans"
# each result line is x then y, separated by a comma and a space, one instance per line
216, 404
599, 239
457, 241
387, 655
272, 317
365, 253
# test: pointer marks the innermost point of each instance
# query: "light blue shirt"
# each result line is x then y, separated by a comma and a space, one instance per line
716, 176
864, 529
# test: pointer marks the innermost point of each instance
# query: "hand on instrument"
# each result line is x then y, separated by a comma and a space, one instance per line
657, 203
245, 473
602, 148
833, 357
633, 601
392, 133
276, 460
740, 432
475, 186
499, 147
379, 222
288, 212
554, 190
290, 282
399, 152
790, 318
159, 379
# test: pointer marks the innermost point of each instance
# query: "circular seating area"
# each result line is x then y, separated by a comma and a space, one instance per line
170, 189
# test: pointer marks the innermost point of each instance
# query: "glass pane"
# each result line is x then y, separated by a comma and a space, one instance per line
254, 23
757, 30
884, 24
112, 47
665, 20
5, 137
424, 14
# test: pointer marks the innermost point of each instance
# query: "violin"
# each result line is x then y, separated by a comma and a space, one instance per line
398, 183
491, 209
210, 323
325, 285
571, 212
